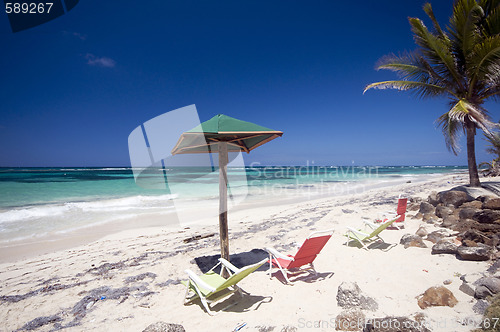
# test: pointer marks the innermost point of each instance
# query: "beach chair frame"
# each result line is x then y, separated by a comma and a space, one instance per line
298, 263
221, 288
363, 238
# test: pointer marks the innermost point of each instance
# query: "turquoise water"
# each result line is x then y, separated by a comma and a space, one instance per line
38, 201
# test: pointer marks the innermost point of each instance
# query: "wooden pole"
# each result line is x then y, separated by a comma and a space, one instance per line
223, 228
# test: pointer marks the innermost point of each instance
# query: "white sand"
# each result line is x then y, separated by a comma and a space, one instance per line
393, 278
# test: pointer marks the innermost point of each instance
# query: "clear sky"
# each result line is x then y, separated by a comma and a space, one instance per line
74, 88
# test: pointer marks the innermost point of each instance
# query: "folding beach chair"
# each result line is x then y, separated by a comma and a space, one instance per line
399, 214
363, 238
303, 260
212, 287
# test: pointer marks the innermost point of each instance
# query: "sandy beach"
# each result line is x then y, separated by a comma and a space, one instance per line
129, 280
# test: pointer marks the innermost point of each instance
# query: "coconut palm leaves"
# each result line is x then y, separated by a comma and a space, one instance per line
461, 63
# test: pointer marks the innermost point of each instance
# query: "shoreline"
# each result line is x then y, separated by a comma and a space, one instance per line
56, 241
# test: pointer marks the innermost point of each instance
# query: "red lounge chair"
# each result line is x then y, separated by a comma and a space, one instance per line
303, 260
399, 214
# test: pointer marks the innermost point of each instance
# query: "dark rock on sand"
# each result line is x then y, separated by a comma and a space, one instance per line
479, 253
350, 320
467, 289
444, 247
426, 208
453, 197
394, 324
349, 296
164, 327
41, 321
487, 286
437, 296
412, 240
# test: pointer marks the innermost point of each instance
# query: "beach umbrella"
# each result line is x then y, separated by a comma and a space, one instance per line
222, 134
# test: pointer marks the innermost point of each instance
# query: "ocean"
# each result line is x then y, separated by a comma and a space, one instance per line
41, 202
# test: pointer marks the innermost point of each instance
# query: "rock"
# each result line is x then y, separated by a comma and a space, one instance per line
412, 240
349, 296
433, 198
164, 327
442, 211
471, 278
450, 221
437, 296
487, 286
447, 281
350, 320
454, 197
419, 215
444, 247
480, 253
421, 231
487, 216
494, 267
394, 324
435, 236
467, 213
472, 205
467, 289
491, 203
480, 307
426, 208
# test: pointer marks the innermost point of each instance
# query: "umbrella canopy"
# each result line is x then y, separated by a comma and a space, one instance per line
222, 134
239, 135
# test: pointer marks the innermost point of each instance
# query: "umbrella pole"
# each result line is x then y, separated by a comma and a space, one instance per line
223, 229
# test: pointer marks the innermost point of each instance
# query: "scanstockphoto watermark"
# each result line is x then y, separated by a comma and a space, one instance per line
396, 323
310, 179
310, 170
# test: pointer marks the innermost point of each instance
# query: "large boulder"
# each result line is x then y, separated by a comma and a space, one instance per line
444, 247
412, 240
426, 208
437, 296
453, 197
479, 253
349, 296
487, 216
394, 324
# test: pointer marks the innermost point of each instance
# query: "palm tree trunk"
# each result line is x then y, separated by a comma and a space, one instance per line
471, 154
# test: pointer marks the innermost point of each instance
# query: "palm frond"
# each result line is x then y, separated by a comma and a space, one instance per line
452, 130
437, 51
428, 10
421, 89
484, 63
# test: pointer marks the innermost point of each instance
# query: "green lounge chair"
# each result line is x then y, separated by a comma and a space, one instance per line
211, 287
363, 238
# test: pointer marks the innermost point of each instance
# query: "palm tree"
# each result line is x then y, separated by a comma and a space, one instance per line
462, 64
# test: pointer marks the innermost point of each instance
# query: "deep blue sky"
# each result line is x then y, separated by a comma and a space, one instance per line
74, 88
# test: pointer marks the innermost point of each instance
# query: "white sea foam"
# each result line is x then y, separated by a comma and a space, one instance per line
103, 206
